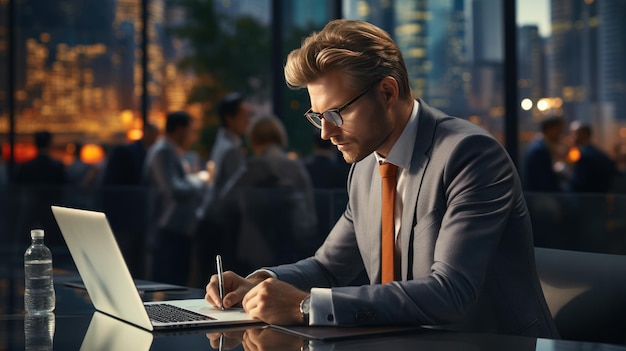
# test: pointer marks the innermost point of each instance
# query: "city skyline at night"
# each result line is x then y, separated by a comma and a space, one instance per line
81, 76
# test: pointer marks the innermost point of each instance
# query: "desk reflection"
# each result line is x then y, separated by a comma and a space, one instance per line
257, 339
106, 333
39, 331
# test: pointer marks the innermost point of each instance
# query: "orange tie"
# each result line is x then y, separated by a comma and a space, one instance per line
388, 174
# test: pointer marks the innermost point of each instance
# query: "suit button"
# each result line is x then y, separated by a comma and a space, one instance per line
330, 318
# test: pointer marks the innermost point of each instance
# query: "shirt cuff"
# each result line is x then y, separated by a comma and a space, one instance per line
267, 271
322, 309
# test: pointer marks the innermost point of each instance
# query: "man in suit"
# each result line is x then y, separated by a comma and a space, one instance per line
176, 196
43, 169
40, 183
227, 156
125, 164
539, 159
463, 244
124, 197
593, 172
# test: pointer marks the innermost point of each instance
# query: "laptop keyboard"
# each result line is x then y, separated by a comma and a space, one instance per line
165, 313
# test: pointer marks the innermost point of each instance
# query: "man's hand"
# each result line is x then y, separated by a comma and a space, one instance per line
229, 340
275, 302
265, 339
235, 288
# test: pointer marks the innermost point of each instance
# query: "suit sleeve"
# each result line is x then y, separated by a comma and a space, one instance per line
477, 183
163, 172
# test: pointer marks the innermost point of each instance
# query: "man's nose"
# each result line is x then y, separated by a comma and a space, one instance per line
329, 129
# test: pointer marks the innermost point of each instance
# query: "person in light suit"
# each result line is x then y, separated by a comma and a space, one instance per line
175, 196
464, 237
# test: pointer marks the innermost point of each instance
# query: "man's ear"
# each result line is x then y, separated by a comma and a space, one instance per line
390, 89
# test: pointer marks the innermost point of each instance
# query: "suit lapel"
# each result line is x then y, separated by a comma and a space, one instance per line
419, 162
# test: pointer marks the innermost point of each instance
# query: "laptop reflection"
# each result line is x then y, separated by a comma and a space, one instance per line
107, 334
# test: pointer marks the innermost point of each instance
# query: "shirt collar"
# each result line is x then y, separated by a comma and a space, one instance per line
399, 154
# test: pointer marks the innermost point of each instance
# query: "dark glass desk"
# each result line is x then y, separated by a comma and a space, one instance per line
78, 327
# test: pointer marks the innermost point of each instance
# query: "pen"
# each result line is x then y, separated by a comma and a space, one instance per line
222, 341
220, 278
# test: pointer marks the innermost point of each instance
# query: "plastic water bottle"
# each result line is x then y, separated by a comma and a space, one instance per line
39, 292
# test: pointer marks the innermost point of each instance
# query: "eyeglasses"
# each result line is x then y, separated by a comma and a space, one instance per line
332, 115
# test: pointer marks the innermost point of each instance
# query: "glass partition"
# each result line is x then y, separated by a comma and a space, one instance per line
568, 54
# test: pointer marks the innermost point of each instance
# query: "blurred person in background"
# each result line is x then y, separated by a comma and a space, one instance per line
594, 171
174, 197
592, 175
125, 164
269, 202
41, 183
542, 157
329, 174
543, 179
228, 154
124, 198
43, 169
324, 167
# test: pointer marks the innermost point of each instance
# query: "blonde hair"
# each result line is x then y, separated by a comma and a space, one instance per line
267, 130
361, 51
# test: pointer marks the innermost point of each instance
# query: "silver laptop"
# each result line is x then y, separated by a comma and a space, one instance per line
110, 285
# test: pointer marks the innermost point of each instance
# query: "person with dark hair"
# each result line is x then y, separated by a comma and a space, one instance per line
540, 157
227, 156
234, 113
593, 172
43, 169
175, 198
124, 197
125, 163
40, 184
436, 216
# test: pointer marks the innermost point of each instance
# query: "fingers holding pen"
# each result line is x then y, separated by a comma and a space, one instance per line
235, 288
212, 292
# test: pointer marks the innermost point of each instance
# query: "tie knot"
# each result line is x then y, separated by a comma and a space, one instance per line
387, 170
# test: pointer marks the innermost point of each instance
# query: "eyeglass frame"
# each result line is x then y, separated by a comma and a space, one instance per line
313, 117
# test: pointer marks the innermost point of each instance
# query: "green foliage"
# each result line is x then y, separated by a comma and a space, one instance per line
227, 53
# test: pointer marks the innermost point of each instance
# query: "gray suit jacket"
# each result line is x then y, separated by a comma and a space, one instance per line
467, 248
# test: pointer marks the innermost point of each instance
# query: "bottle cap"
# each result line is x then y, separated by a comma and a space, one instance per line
36, 233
